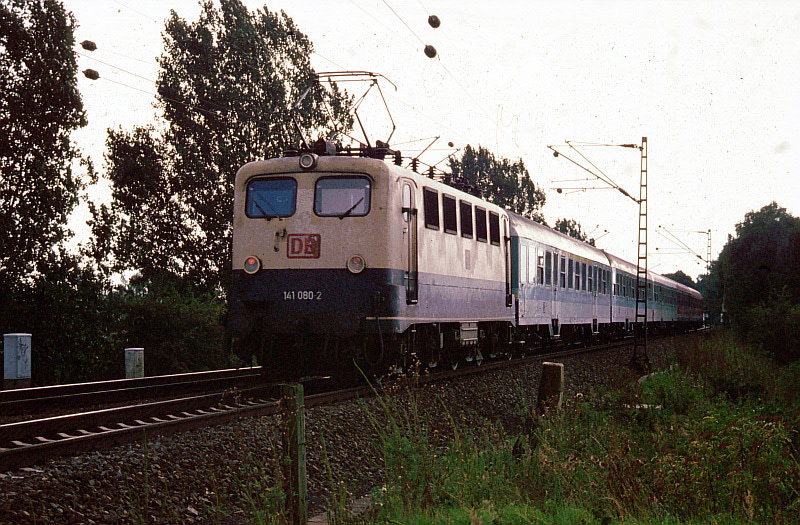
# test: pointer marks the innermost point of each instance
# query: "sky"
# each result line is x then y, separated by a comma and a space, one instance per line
712, 85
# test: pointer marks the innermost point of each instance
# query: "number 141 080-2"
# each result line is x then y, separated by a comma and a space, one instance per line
302, 295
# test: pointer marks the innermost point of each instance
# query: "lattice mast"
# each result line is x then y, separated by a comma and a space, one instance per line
640, 358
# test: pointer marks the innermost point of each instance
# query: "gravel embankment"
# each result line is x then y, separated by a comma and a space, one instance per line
220, 474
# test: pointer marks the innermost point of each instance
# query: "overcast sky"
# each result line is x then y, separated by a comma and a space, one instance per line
712, 85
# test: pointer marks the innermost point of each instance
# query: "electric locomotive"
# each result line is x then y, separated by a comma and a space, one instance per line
344, 258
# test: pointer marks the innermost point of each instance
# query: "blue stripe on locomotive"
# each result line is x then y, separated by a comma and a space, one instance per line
320, 301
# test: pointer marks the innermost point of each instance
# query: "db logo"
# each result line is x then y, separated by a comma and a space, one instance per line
303, 245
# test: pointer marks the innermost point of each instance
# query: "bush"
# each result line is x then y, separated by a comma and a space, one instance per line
774, 327
180, 329
683, 447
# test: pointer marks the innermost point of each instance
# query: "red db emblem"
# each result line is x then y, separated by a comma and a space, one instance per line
303, 245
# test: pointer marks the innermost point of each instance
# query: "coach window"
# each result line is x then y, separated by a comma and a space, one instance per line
268, 198
480, 224
555, 269
430, 201
570, 275
540, 267
548, 268
583, 275
531, 265
592, 279
563, 272
466, 219
342, 197
449, 213
494, 228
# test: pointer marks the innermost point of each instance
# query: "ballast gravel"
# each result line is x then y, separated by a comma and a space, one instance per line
228, 474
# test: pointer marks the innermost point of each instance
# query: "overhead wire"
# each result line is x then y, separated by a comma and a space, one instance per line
441, 63
251, 67
135, 11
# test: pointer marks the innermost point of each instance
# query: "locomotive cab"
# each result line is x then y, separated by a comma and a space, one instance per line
311, 259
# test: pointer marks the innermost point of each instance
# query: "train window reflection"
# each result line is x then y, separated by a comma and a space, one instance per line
342, 197
271, 198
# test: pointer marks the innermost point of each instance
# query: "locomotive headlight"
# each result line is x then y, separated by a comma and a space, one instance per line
252, 265
308, 161
356, 264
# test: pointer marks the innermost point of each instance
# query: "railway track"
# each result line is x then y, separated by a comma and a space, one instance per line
49, 399
26, 443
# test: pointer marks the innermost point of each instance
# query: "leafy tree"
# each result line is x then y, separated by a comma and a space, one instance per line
39, 107
226, 86
756, 279
761, 261
500, 181
572, 228
680, 277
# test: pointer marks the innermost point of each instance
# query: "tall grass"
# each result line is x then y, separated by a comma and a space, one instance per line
713, 440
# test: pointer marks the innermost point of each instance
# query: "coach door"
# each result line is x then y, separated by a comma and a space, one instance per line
507, 244
559, 280
410, 261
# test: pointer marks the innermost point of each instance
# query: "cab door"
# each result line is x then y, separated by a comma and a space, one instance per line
410, 252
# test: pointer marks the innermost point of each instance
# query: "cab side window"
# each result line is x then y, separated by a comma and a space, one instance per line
466, 219
481, 233
430, 202
494, 228
449, 213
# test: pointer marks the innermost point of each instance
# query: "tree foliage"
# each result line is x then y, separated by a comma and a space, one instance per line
573, 228
682, 278
761, 261
227, 83
757, 280
500, 181
39, 107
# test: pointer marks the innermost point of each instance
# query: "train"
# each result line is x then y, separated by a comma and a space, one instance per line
343, 260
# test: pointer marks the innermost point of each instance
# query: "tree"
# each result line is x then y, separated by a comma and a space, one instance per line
39, 107
572, 228
502, 182
226, 86
682, 278
761, 261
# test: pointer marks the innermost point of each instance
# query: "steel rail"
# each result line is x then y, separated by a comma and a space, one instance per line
39, 399
27, 443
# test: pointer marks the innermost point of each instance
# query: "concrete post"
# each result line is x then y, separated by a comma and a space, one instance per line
16, 361
551, 388
134, 363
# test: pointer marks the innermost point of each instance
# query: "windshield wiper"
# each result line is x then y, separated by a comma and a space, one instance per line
353, 207
266, 215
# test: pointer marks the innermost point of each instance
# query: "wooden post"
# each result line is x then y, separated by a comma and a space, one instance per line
551, 387
294, 441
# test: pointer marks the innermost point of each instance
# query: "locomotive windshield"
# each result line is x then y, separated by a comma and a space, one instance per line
342, 197
271, 198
